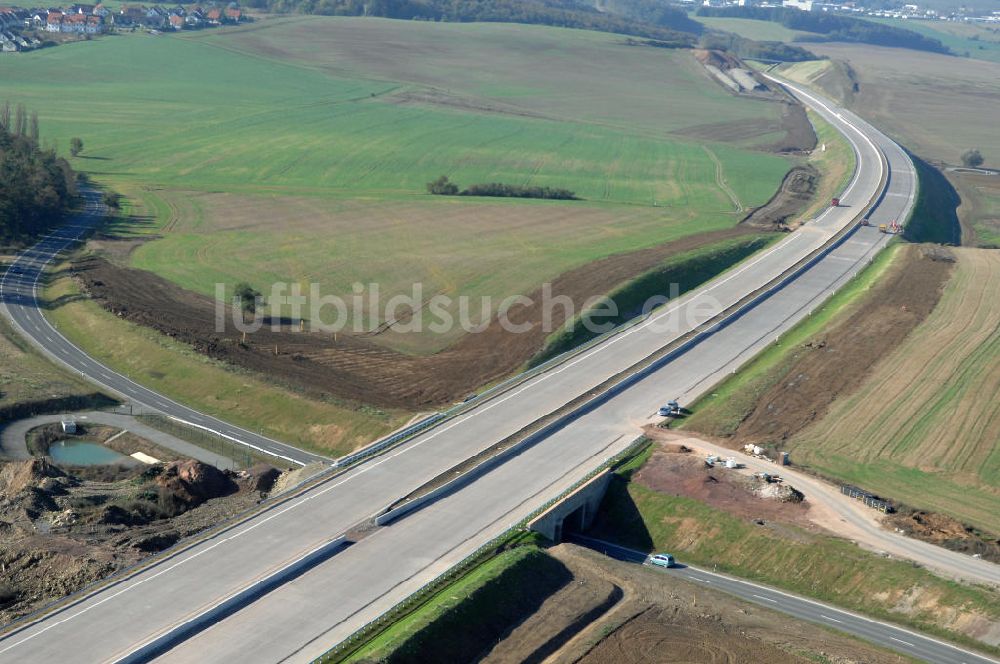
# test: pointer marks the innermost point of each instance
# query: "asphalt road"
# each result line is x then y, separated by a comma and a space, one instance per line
14, 445
326, 602
884, 634
20, 302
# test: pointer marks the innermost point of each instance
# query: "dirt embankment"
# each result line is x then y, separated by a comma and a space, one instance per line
355, 367
653, 617
60, 531
796, 193
837, 361
945, 531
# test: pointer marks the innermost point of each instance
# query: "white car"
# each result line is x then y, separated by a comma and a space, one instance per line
662, 560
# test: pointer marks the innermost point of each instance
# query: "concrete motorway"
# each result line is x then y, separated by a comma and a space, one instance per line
889, 636
20, 303
320, 606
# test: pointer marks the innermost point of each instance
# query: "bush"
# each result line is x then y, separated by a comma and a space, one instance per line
502, 190
112, 199
442, 187
972, 158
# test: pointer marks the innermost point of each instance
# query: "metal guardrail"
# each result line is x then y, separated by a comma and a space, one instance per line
868, 498
726, 318
436, 418
390, 440
363, 634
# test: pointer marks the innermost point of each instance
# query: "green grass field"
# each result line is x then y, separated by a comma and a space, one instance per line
981, 207
192, 112
297, 150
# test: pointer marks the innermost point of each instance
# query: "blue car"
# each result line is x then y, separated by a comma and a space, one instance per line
662, 560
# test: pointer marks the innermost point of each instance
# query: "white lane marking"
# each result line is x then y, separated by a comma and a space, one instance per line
766, 599
830, 619
478, 411
902, 641
845, 612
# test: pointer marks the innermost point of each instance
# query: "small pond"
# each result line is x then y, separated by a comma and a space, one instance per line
83, 453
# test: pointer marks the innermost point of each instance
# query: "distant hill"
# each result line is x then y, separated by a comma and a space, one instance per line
830, 27
642, 18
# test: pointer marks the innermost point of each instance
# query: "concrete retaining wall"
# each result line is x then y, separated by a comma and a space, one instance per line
579, 506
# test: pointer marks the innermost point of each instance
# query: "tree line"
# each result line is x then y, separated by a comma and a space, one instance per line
445, 187
750, 49
653, 24
830, 27
37, 187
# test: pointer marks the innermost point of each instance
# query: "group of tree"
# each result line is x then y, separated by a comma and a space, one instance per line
37, 187
742, 47
442, 186
248, 298
972, 158
831, 27
641, 18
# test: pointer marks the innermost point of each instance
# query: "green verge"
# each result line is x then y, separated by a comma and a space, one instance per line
468, 616
836, 164
31, 384
183, 374
819, 566
720, 412
687, 271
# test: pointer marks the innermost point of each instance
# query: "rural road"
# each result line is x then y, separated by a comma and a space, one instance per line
13, 444
851, 519
20, 303
173, 607
884, 634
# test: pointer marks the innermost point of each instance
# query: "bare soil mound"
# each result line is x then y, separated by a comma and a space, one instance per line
687, 475
60, 531
944, 531
191, 482
17, 477
355, 367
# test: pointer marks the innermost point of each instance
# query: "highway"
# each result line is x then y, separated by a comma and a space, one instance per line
884, 634
301, 618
